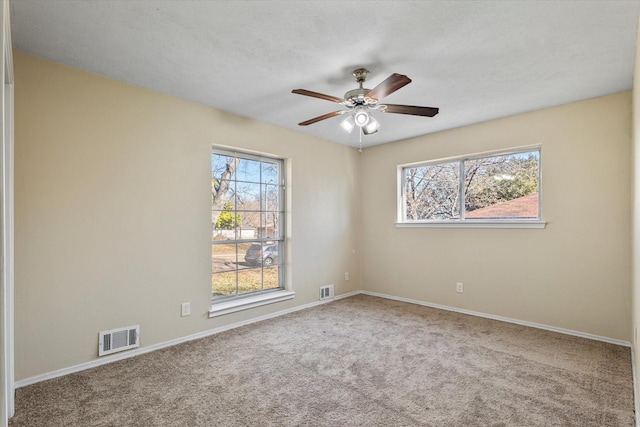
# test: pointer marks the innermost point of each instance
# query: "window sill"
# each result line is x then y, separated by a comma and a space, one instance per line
474, 224
222, 308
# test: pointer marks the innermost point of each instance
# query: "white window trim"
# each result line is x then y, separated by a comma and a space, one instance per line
242, 302
239, 304
497, 223
467, 223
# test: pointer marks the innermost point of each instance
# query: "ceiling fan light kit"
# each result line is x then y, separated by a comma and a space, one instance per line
363, 120
361, 117
371, 126
359, 102
348, 124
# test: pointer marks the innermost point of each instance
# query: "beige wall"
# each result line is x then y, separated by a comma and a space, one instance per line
112, 212
575, 274
636, 211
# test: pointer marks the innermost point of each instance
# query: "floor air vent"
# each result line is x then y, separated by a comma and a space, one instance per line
326, 292
118, 340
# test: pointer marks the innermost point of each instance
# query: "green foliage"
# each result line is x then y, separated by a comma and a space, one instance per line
227, 220
500, 179
433, 191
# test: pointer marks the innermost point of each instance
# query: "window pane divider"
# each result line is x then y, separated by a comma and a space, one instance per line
491, 204
261, 240
462, 206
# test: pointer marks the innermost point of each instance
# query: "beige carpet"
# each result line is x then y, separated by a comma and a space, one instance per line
359, 361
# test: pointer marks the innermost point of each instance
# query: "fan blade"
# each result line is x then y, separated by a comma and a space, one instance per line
391, 84
410, 109
318, 95
323, 117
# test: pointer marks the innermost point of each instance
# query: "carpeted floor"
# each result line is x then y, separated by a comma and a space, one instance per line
359, 361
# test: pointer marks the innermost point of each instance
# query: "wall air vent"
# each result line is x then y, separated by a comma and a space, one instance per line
118, 340
326, 292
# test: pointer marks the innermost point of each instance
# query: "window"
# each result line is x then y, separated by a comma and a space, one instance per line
498, 188
247, 216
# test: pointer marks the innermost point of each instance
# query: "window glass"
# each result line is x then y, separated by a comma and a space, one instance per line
502, 187
497, 187
247, 216
432, 192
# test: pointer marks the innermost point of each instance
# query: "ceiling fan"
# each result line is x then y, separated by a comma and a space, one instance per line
360, 101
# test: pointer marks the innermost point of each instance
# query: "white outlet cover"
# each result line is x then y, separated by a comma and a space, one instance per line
186, 309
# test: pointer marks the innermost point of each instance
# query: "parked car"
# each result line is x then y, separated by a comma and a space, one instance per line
262, 254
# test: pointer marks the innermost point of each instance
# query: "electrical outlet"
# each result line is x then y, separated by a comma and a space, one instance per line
459, 287
186, 309
346, 276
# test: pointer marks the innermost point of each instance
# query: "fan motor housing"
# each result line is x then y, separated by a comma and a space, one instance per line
356, 96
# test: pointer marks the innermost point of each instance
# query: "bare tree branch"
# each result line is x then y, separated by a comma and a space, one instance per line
220, 190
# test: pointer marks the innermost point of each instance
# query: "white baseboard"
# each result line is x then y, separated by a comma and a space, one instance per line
142, 350
503, 319
136, 352
635, 397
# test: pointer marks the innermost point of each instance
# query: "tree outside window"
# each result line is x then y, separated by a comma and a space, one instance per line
497, 187
247, 217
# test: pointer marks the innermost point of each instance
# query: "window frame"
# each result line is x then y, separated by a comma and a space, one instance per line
232, 303
463, 222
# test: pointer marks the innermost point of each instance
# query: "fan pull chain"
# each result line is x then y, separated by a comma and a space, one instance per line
360, 134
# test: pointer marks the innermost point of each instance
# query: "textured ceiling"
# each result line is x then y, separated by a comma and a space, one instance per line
475, 60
